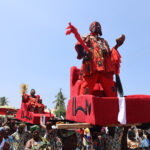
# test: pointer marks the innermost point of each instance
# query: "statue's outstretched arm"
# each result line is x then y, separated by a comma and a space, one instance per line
119, 41
72, 29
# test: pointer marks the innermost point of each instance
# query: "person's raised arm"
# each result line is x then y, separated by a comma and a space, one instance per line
41, 122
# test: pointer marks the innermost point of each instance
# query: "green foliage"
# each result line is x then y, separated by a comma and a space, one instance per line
60, 109
3, 101
60, 112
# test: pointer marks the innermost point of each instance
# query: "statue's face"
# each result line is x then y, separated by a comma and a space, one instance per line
95, 27
32, 92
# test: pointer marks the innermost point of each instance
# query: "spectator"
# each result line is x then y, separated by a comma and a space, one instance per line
87, 139
69, 139
36, 142
13, 126
5, 121
95, 134
18, 137
3, 144
7, 137
132, 142
52, 140
80, 135
112, 140
47, 127
144, 142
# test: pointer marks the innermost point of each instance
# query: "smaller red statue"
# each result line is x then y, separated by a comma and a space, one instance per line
31, 107
33, 102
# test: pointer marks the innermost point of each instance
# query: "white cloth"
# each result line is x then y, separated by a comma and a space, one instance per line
122, 110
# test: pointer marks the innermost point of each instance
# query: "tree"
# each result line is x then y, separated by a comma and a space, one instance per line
3, 101
60, 109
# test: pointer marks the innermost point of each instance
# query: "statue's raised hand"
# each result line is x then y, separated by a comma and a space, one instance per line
71, 29
120, 41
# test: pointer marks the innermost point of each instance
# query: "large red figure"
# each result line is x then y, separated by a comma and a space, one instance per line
101, 106
99, 63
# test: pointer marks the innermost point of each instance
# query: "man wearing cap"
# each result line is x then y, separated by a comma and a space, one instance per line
36, 142
18, 137
51, 138
99, 62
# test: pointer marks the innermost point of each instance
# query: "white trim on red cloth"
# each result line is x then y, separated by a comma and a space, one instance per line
122, 110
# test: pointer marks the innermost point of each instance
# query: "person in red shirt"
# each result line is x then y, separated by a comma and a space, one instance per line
35, 102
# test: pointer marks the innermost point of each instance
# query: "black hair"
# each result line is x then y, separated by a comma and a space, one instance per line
32, 89
131, 135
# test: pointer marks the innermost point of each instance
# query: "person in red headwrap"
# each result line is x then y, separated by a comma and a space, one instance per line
35, 103
99, 62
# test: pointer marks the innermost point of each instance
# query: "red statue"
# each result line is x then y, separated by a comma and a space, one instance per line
99, 63
93, 93
33, 101
31, 107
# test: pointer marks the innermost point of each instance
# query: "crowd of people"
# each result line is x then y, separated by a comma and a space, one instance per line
14, 136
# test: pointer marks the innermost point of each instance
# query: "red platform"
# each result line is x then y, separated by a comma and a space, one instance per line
7, 110
104, 110
34, 118
99, 110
